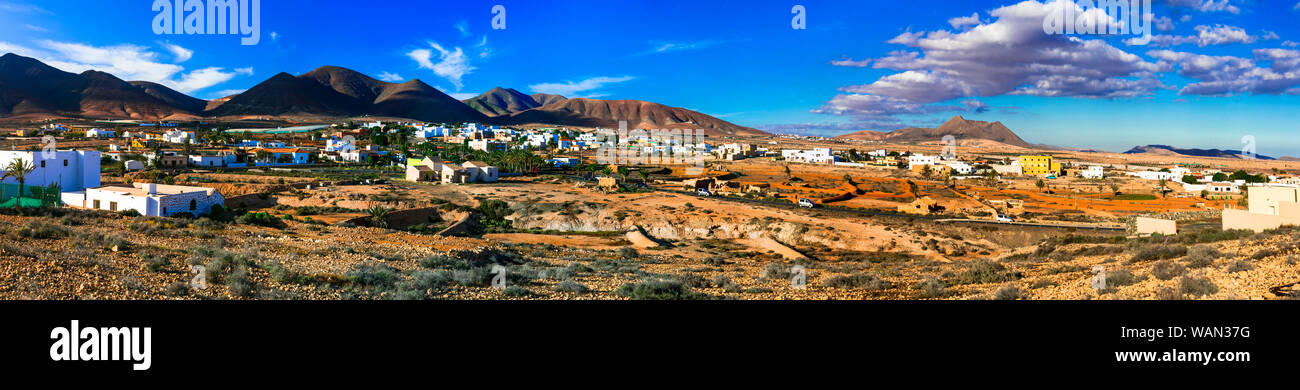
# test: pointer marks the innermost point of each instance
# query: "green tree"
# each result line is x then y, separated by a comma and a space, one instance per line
19, 169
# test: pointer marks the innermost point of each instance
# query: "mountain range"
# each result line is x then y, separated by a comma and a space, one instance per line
30, 87
1169, 150
959, 127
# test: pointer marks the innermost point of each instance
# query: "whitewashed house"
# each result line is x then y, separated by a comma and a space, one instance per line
207, 161
919, 159
149, 199
1093, 172
959, 167
478, 171
133, 165
73, 170
177, 136
100, 133
811, 156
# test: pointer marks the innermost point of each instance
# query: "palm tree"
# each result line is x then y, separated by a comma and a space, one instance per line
1040, 184
19, 169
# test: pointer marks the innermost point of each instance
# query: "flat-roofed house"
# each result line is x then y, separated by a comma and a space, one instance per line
73, 170
150, 199
479, 171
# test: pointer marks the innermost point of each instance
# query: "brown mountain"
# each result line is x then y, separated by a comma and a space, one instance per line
28, 86
171, 97
958, 127
502, 101
639, 114
546, 98
335, 91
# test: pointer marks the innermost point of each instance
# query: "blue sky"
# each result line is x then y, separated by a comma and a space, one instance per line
1216, 71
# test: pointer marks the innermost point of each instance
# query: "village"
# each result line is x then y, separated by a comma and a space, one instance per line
785, 200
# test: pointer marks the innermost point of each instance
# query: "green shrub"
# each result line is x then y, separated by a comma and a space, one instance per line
1008, 293
571, 286
517, 292
1197, 286
1240, 266
178, 288
984, 271
932, 287
373, 275
864, 281
1166, 270
658, 290
1159, 252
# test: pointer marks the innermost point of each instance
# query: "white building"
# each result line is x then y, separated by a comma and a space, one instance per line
1093, 172
878, 153
811, 156
919, 159
100, 133
1155, 175
74, 170
478, 171
133, 165
149, 199
486, 145
179, 137
207, 161
339, 145
959, 167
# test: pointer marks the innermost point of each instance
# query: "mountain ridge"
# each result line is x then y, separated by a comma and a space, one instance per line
957, 126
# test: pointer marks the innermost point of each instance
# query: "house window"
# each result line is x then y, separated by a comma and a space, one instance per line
164, 211
112, 206
42, 163
96, 204
193, 204
65, 163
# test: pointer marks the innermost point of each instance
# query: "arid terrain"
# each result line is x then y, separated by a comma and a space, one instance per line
560, 237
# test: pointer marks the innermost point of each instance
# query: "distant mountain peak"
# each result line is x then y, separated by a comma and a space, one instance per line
1170, 150
957, 126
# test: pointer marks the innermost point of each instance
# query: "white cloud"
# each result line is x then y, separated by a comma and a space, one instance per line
849, 62
1164, 23
1229, 75
179, 54
36, 28
462, 96
666, 47
452, 64
963, 21
391, 77
127, 62
225, 92
463, 27
21, 8
1206, 36
1010, 55
1205, 5
582, 88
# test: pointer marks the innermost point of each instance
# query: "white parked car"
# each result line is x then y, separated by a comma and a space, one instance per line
1004, 218
703, 192
806, 203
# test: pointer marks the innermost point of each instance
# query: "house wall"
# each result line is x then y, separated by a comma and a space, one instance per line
1264, 200
81, 171
1155, 225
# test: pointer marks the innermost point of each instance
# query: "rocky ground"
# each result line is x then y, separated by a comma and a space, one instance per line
712, 249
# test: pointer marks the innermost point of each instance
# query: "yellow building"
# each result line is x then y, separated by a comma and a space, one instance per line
1039, 165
